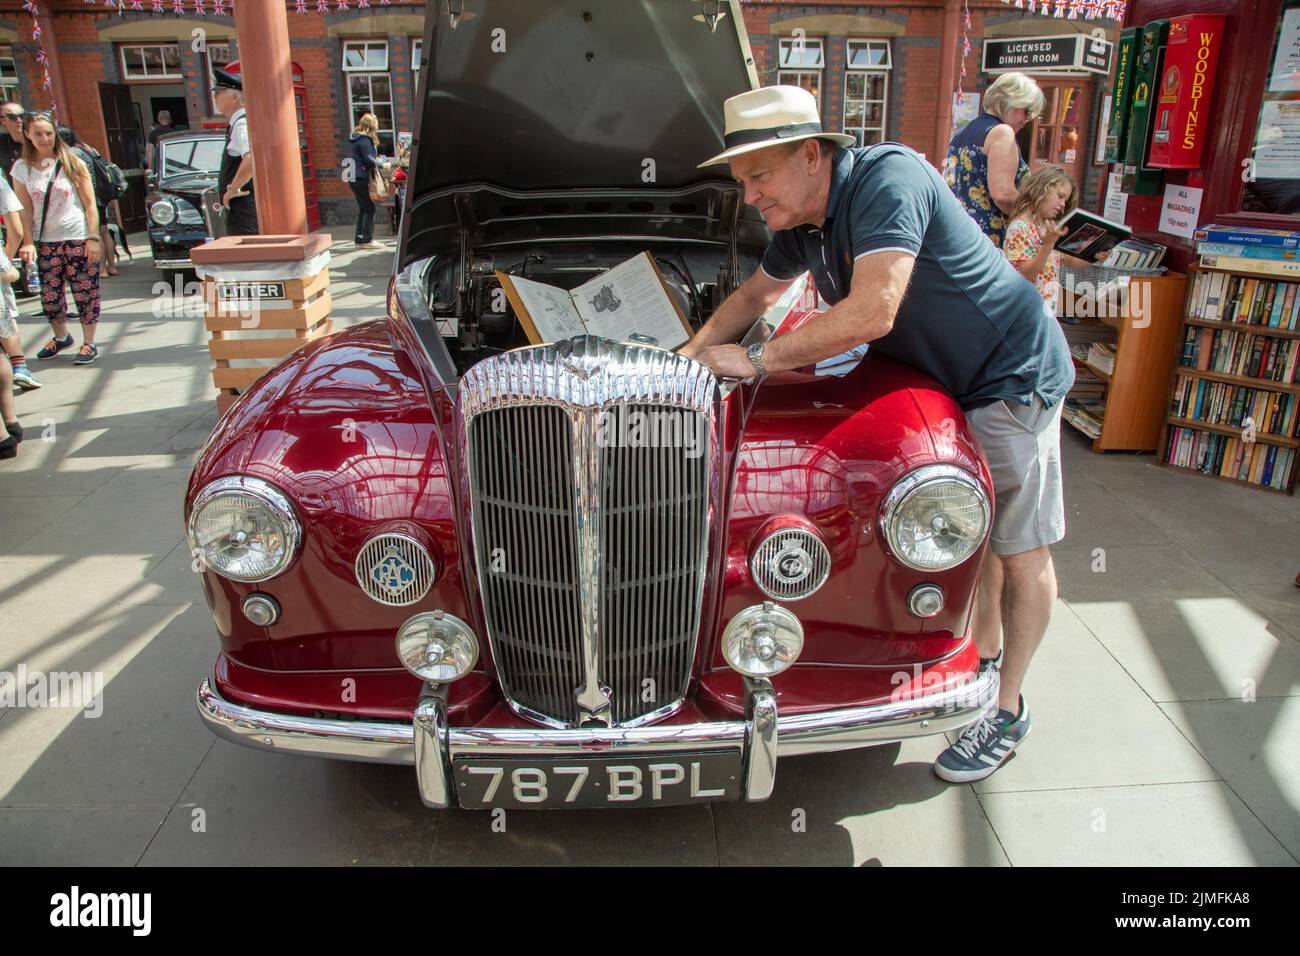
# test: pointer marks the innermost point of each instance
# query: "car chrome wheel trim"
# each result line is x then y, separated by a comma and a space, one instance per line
383, 563
278, 502
914, 481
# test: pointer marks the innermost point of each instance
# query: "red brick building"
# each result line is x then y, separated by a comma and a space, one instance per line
876, 71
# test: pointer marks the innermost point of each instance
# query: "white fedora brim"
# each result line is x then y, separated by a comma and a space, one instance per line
839, 139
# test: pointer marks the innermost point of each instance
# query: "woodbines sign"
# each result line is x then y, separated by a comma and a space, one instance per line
1073, 53
1183, 107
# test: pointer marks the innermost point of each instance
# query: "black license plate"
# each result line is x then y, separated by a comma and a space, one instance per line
559, 782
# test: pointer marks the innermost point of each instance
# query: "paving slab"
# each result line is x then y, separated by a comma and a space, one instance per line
1176, 629
1094, 518
1236, 533
1253, 747
1184, 824
1078, 696
77, 836
882, 806
136, 513
1280, 602
668, 836
22, 517
265, 809
146, 743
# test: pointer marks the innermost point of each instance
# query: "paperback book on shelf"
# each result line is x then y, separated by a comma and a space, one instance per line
1251, 354
1228, 456
1086, 416
1222, 403
1135, 254
1249, 300
1101, 356
1087, 235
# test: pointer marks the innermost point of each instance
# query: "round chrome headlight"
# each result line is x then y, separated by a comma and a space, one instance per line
244, 528
163, 212
437, 647
762, 640
935, 517
790, 563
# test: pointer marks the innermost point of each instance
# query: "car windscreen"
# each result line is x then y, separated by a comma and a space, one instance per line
188, 157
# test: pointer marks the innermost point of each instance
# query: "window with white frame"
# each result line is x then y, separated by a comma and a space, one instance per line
802, 60
8, 74
370, 88
155, 61
217, 56
866, 90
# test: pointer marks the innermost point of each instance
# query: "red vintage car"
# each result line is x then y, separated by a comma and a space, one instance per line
417, 551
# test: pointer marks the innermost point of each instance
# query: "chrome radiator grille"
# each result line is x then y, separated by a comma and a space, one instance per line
592, 472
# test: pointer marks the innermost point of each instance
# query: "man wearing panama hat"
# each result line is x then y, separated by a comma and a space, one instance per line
906, 269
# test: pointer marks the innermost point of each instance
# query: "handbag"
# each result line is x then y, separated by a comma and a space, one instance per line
380, 187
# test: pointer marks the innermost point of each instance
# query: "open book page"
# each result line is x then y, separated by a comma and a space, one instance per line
631, 298
549, 310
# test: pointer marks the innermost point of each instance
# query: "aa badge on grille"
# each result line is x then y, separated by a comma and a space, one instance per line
394, 569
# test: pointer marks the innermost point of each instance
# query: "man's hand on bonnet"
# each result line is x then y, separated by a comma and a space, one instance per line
726, 361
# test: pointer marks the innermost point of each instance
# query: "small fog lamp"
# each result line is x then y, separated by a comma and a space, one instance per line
437, 647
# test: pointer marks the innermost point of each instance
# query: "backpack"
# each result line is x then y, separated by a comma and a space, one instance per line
107, 178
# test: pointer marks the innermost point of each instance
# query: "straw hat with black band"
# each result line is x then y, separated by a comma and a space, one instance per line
770, 116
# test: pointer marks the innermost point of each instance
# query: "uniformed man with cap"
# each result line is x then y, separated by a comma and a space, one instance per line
235, 180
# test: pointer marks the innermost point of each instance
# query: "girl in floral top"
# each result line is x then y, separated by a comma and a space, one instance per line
1046, 197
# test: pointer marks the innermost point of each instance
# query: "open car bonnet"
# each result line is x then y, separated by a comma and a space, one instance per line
590, 98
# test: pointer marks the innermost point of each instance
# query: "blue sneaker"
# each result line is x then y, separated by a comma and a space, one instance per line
23, 378
87, 355
983, 746
54, 346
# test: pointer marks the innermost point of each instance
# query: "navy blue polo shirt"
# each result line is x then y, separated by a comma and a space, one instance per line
969, 319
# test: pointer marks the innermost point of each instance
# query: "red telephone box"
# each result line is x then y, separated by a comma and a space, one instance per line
304, 142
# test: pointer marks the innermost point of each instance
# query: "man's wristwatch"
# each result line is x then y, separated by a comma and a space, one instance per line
755, 353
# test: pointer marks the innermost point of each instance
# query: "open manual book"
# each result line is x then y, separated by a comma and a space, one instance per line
628, 299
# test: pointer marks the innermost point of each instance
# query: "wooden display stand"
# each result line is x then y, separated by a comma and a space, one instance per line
239, 313
1191, 318
1137, 389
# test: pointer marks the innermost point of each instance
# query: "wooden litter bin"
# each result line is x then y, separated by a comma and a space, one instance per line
264, 297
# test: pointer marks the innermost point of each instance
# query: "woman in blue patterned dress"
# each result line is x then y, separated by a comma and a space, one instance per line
984, 166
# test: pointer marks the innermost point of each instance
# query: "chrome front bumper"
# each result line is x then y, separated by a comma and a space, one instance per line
430, 743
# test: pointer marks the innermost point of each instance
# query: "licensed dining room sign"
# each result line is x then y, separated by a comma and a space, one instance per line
1071, 53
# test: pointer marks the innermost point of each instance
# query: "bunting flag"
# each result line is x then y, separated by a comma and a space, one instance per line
137, 5
300, 6
363, 4
322, 6
1074, 9
219, 7
157, 6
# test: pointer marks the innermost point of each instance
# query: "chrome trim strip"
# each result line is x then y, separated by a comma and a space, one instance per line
760, 740
371, 741
430, 728
394, 743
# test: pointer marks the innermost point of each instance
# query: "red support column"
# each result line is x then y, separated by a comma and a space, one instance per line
50, 41
947, 80
263, 30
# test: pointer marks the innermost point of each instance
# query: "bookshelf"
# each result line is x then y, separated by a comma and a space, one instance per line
1135, 390
1236, 364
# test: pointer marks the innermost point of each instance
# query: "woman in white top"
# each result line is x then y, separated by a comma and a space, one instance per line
60, 232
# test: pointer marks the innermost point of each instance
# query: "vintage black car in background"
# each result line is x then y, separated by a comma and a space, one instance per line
187, 167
